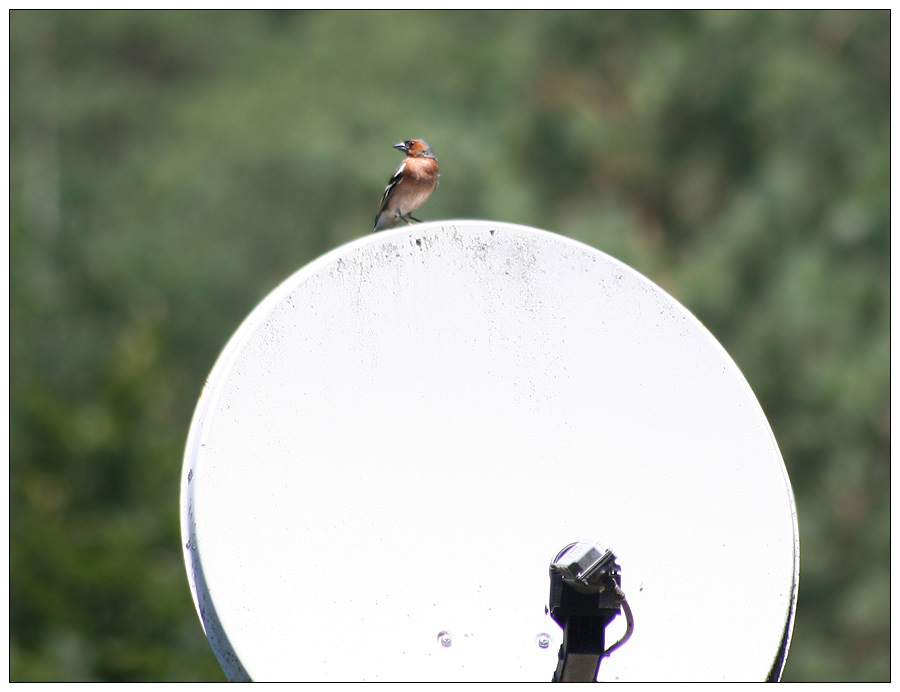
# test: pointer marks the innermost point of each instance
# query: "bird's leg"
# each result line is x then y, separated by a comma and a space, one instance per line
410, 216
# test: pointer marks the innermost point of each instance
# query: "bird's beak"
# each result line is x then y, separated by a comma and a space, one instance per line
402, 146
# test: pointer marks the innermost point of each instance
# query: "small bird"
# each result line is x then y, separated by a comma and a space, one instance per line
410, 186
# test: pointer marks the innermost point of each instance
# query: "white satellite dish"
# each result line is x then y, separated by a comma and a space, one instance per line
400, 438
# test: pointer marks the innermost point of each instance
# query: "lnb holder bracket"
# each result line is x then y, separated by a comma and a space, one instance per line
585, 596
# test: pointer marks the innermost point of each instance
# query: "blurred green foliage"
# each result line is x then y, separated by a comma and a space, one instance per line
168, 169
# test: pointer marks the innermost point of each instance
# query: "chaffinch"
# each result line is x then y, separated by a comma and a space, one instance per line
411, 185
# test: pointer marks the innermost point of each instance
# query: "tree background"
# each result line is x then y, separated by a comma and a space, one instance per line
169, 169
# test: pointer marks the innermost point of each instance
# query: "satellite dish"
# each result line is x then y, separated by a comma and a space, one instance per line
398, 440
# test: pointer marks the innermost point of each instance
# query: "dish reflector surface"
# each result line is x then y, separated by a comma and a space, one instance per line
397, 441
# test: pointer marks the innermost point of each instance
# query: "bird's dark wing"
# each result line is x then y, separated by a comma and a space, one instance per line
398, 174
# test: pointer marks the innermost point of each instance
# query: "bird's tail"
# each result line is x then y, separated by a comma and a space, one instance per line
383, 221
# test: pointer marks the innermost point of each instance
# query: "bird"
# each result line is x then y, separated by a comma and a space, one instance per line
410, 186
